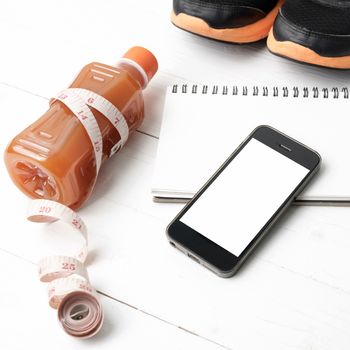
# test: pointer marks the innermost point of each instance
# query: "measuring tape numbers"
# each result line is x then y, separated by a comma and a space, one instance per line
79, 102
69, 290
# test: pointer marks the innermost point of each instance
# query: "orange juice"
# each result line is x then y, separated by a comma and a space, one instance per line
54, 157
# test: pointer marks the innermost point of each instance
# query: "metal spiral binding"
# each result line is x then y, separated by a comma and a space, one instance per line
275, 91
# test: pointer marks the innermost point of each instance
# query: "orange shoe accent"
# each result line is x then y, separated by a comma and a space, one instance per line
303, 54
247, 34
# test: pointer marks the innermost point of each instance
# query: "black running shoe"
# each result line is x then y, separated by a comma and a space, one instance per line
238, 21
313, 31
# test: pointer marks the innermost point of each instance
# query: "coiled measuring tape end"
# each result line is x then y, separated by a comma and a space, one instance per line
80, 314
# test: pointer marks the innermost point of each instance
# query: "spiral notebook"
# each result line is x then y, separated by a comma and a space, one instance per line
203, 125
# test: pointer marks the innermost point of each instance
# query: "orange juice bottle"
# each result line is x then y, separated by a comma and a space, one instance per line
54, 158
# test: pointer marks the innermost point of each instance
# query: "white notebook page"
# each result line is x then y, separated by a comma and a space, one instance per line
199, 131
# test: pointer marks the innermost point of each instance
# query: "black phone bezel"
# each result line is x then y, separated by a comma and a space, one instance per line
210, 254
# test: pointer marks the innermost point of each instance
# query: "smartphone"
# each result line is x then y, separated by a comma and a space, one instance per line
234, 210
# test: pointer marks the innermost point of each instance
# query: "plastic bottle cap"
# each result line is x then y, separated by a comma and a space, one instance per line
144, 58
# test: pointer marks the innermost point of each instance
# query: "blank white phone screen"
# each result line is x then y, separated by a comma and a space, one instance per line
241, 200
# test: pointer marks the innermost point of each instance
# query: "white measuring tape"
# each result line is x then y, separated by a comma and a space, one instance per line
69, 291
78, 101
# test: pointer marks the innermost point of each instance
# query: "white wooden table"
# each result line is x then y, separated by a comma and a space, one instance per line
294, 293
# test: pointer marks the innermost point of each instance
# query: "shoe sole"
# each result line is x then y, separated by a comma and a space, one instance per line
297, 52
247, 34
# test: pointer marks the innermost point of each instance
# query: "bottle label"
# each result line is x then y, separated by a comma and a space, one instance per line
69, 289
